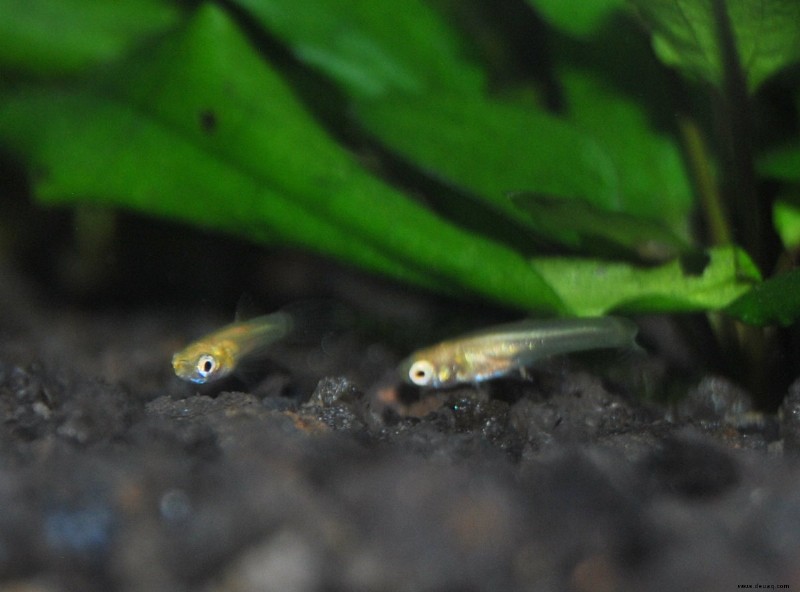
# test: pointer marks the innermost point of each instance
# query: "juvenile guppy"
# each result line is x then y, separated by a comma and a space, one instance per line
219, 353
503, 349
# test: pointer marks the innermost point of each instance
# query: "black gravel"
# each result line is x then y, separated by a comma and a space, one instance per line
321, 474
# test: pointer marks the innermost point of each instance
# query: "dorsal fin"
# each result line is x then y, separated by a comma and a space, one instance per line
246, 308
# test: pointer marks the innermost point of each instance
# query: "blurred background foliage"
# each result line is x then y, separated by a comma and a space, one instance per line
571, 157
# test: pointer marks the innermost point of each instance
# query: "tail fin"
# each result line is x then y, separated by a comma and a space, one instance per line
313, 320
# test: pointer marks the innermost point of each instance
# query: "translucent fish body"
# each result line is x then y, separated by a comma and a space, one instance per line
504, 349
218, 354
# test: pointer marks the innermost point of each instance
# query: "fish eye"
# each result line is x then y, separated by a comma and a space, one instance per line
421, 373
206, 364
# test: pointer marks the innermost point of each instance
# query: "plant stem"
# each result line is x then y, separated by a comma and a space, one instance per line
748, 215
699, 162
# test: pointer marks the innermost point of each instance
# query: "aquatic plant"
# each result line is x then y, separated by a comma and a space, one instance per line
550, 158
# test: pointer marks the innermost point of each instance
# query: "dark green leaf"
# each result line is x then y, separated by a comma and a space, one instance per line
606, 153
47, 37
647, 163
576, 17
783, 164
490, 147
587, 228
370, 48
444, 123
775, 301
685, 35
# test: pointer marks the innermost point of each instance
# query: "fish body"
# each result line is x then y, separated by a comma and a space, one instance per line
219, 353
500, 350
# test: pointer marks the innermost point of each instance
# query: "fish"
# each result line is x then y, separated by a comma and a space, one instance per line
503, 349
219, 353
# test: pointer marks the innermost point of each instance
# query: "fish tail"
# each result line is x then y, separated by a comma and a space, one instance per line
310, 321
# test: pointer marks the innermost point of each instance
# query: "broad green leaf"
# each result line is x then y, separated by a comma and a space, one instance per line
178, 131
647, 163
576, 17
490, 147
589, 229
444, 123
606, 152
685, 35
775, 301
55, 37
199, 128
591, 287
142, 164
370, 48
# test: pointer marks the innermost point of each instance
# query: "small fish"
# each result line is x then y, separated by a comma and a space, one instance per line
500, 350
218, 354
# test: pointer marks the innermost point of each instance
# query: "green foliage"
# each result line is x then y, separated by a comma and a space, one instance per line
786, 218
370, 50
784, 164
183, 114
648, 170
604, 152
772, 302
686, 34
577, 17
450, 134
585, 227
43, 37
595, 287
180, 133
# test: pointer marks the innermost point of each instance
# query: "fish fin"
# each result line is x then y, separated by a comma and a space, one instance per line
317, 319
525, 373
246, 308
279, 327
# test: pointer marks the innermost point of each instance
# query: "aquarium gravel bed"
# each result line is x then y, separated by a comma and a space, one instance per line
323, 475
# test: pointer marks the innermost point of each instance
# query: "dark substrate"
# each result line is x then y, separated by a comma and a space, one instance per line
322, 475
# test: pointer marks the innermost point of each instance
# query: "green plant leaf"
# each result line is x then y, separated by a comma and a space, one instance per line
591, 287
444, 123
685, 36
647, 163
490, 147
605, 152
576, 17
370, 48
772, 302
44, 37
199, 128
782, 163
587, 228
176, 131
441, 121
786, 220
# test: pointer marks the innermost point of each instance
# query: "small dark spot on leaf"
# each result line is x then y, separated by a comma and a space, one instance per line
208, 120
